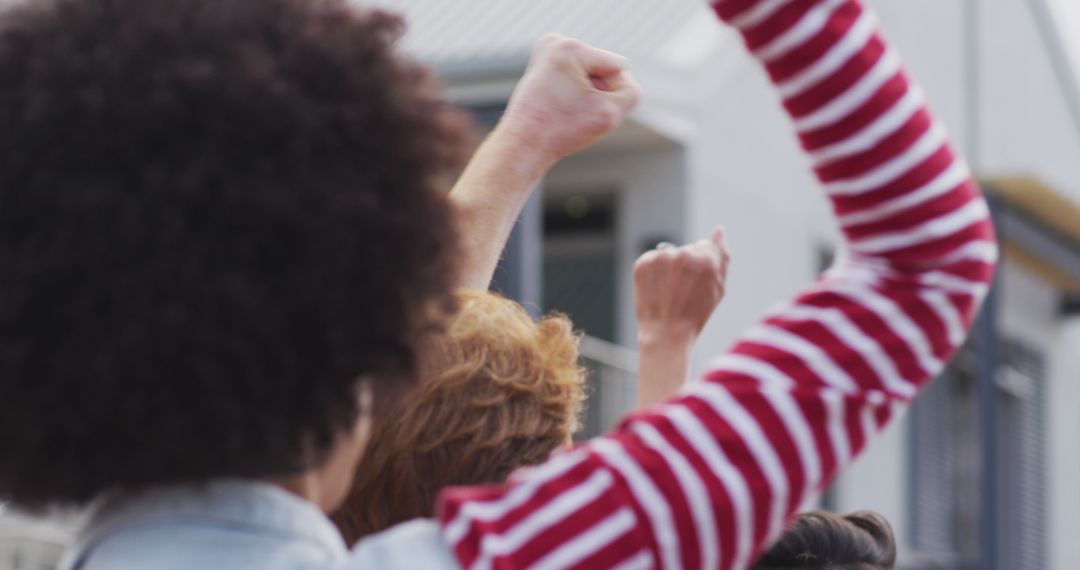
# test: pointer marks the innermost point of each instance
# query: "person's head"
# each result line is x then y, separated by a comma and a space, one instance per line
827, 541
500, 391
221, 222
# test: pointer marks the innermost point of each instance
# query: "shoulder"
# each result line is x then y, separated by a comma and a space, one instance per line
415, 544
183, 547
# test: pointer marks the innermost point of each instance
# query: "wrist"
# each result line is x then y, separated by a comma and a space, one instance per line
524, 144
666, 336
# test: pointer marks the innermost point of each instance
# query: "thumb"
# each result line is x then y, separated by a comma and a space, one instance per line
624, 91
602, 64
719, 237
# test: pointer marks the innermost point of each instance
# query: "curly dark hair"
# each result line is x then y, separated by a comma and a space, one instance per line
828, 541
215, 217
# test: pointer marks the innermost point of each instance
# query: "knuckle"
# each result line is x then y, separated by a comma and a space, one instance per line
550, 39
706, 264
700, 265
607, 118
644, 262
563, 44
557, 50
571, 44
683, 262
561, 59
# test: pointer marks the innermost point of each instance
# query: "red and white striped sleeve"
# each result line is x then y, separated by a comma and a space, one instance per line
709, 478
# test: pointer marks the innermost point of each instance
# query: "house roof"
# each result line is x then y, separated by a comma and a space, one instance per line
462, 37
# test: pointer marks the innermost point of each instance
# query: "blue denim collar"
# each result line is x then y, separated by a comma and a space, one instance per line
238, 505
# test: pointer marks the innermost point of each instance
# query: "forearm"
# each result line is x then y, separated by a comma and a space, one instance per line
489, 197
664, 359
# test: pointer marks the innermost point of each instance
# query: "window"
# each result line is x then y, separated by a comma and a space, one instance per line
580, 260
1021, 460
946, 471
579, 279
944, 468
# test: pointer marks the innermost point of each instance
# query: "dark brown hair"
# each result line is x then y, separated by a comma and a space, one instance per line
827, 541
215, 217
501, 391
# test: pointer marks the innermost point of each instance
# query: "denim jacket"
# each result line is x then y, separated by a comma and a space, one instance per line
239, 525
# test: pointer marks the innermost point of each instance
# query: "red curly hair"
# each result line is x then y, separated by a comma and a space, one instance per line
501, 391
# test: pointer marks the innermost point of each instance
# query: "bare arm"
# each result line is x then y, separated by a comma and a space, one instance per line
488, 199
570, 96
676, 291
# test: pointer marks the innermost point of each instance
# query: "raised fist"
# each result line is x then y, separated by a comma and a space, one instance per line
678, 288
570, 96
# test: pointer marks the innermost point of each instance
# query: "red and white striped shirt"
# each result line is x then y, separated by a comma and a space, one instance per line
707, 479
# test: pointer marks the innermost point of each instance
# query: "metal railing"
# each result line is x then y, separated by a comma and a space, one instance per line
612, 384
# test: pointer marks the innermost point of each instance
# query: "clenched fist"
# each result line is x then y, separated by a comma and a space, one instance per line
676, 291
570, 96
678, 288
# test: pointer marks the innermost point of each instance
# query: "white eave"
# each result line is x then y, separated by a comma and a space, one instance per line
480, 47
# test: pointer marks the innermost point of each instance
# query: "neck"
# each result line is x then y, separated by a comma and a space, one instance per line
307, 486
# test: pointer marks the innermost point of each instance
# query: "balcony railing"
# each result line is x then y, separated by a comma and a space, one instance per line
613, 371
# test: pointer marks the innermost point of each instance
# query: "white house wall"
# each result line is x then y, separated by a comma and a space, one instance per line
931, 36
1026, 124
748, 174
